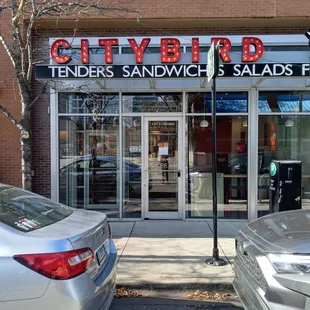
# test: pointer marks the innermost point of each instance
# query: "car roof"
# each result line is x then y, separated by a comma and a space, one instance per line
100, 157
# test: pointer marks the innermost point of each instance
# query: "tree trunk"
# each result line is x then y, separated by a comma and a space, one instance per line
26, 150
26, 145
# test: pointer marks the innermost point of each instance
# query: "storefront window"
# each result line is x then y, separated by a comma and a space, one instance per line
283, 137
235, 102
132, 167
152, 102
89, 174
85, 103
232, 161
283, 102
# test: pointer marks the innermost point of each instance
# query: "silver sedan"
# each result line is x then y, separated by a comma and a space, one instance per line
52, 256
272, 265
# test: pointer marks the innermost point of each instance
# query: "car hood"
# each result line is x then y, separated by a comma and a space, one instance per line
282, 232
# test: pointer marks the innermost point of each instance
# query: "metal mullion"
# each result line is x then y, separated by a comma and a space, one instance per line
184, 159
54, 119
144, 142
86, 114
120, 156
285, 114
198, 114
233, 114
217, 114
86, 178
252, 155
154, 114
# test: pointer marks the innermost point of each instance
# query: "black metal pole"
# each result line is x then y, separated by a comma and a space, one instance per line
214, 260
214, 171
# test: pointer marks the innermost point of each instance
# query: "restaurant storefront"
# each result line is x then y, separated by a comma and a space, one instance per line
136, 143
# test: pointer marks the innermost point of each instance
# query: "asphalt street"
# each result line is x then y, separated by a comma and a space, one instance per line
169, 304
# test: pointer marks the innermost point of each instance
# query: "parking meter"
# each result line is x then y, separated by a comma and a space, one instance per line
285, 185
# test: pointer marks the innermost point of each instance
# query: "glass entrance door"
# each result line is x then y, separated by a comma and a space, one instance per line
163, 175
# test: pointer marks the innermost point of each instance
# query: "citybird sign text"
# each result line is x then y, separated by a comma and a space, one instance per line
168, 71
170, 49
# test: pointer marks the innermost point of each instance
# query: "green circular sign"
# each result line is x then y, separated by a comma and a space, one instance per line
273, 169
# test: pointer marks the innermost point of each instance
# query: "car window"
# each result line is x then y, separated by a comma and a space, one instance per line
76, 166
79, 165
103, 164
107, 164
27, 212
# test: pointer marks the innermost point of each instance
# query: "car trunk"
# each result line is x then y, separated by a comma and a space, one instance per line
84, 229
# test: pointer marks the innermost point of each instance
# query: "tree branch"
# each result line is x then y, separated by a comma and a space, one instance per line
18, 44
8, 79
43, 90
8, 50
19, 12
29, 42
61, 6
11, 117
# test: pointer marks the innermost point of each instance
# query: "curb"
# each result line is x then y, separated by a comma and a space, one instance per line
178, 302
177, 286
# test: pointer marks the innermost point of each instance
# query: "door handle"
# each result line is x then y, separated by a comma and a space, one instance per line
145, 178
179, 173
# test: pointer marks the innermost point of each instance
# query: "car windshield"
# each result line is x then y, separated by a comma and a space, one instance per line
27, 212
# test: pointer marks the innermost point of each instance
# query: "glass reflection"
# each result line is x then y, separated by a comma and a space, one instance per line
284, 102
132, 172
86, 103
282, 137
232, 161
163, 166
233, 102
89, 163
156, 102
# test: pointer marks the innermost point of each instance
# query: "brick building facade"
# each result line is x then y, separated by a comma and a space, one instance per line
155, 18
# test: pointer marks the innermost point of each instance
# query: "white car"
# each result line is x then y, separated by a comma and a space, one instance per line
52, 256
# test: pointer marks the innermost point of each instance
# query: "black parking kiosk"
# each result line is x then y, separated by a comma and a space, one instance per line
285, 185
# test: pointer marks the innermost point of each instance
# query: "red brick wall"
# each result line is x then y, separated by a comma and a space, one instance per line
202, 9
10, 155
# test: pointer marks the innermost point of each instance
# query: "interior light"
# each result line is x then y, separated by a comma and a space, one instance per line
289, 123
204, 123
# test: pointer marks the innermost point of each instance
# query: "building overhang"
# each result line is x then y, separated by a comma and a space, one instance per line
188, 85
109, 24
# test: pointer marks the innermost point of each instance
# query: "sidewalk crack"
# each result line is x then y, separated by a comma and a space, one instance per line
120, 256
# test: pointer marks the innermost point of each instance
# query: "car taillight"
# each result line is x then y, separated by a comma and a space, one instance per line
110, 232
58, 266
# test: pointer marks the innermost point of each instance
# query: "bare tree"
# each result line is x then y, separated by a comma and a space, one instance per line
19, 48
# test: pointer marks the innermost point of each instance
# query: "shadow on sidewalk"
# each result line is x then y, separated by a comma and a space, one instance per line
181, 259
174, 229
170, 304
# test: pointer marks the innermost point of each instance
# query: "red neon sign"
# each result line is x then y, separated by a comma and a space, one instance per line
170, 49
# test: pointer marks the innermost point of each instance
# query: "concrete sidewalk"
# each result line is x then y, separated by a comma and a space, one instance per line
172, 254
